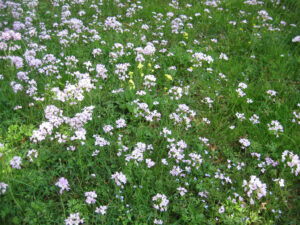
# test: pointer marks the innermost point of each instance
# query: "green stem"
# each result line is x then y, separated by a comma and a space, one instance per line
63, 206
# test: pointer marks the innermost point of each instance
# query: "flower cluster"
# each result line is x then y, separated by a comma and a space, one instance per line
3, 187
256, 187
63, 184
74, 219
160, 202
90, 197
142, 109
16, 162
275, 127
198, 58
101, 209
183, 115
293, 161
119, 178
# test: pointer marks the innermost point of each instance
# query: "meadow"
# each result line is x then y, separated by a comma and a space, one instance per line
149, 112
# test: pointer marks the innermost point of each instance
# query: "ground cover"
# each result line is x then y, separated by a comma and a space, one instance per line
149, 112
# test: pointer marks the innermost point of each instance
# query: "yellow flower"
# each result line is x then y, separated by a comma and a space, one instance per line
131, 84
185, 35
152, 71
142, 74
130, 74
168, 76
149, 64
140, 66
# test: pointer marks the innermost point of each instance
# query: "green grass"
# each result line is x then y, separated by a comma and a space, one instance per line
260, 57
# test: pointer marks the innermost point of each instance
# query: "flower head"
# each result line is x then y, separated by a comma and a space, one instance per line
63, 184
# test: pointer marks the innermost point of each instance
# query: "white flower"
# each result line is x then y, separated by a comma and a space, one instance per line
3, 187
240, 116
243, 85
254, 119
160, 202
120, 123
279, 181
255, 185
30, 152
74, 219
181, 191
150, 163
90, 197
223, 56
296, 39
63, 184
101, 210
275, 127
16, 162
149, 49
119, 178
108, 128
293, 161
221, 209
156, 221
245, 142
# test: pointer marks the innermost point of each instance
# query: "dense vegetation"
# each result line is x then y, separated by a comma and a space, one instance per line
149, 112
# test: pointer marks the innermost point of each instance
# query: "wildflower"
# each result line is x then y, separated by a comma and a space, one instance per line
3, 187
185, 35
296, 39
140, 66
30, 152
150, 81
240, 116
243, 85
150, 163
100, 141
272, 94
101, 71
120, 123
74, 219
275, 127
165, 162
119, 178
221, 209
90, 197
293, 161
149, 49
240, 92
63, 184
245, 142
255, 185
181, 191
16, 162
107, 129
254, 119
279, 181
131, 84
101, 210
223, 56
168, 76
156, 221
160, 202
130, 73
